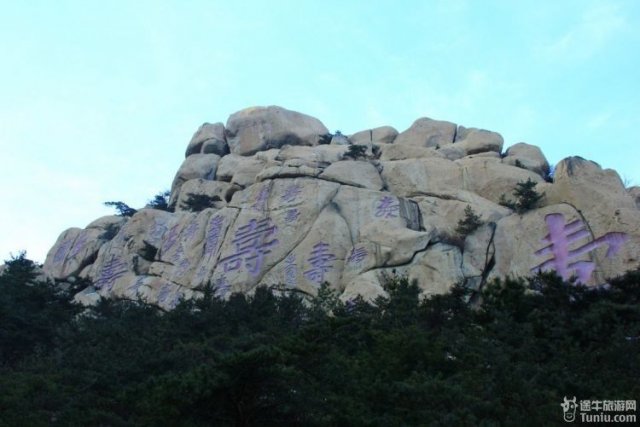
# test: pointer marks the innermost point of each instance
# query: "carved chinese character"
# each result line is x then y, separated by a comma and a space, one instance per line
291, 215
290, 271
290, 193
321, 261
261, 199
213, 235
61, 252
357, 255
561, 236
251, 244
111, 271
387, 207
79, 245
171, 239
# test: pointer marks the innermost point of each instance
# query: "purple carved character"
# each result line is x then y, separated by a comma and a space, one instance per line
290, 193
291, 215
357, 255
261, 199
171, 239
213, 235
111, 271
290, 271
561, 236
321, 262
79, 245
252, 244
61, 252
387, 207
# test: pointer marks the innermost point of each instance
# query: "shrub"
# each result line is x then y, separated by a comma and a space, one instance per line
199, 202
122, 208
160, 201
469, 223
110, 232
356, 152
325, 139
527, 197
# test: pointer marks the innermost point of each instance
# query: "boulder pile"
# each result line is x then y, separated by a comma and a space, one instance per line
272, 198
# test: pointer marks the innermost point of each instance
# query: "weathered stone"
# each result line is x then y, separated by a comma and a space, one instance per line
296, 214
491, 179
261, 128
426, 132
379, 135
475, 141
202, 166
421, 176
357, 173
367, 285
77, 248
518, 237
478, 254
318, 258
396, 246
109, 222
437, 269
604, 204
361, 207
452, 152
528, 157
444, 210
208, 139
239, 170
340, 139
218, 191
634, 192
321, 154
183, 247
404, 152
294, 168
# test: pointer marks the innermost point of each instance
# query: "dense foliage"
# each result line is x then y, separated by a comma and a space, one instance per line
507, 359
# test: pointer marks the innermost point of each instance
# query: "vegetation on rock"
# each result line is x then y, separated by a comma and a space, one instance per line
199, 202
122, 208
527, 197
160, 201
356, 152
469, 223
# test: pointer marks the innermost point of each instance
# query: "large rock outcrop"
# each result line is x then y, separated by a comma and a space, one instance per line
257, 129
286, 209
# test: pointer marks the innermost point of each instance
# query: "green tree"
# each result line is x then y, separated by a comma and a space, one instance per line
356, 151
527, 198
160, 201
199, 202
469, 223
122, 208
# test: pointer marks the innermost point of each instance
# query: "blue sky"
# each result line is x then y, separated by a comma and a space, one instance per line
98, 99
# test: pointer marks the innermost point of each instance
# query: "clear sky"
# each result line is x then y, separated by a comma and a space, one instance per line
98, 99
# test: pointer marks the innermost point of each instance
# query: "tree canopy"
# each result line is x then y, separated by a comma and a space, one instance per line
275, 359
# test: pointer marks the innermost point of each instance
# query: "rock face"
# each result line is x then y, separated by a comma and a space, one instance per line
208, 139
426, 132
260, 202
257, 129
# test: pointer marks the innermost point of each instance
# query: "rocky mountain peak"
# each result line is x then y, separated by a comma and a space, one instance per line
272, 198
